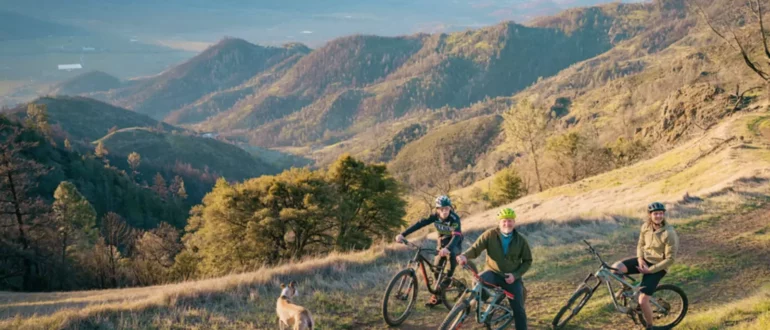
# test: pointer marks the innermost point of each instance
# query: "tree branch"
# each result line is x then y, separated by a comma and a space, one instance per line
748, 61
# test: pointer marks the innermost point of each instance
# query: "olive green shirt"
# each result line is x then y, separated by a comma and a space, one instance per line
659, 247
517, 261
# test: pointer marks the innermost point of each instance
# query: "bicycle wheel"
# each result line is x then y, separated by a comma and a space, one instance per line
669, 308
578, 300
456, 316
400, 297
498, 318
452, 293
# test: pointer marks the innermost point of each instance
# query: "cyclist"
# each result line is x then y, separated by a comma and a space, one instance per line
450, 238
655, 252
508, 258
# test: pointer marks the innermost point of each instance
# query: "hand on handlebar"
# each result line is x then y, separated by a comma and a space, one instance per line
400, 238
443, 252
462, 260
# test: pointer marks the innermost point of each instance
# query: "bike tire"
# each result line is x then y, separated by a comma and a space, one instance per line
406, 274
685, 305
581, 296
449, 298
502, 326
456, 316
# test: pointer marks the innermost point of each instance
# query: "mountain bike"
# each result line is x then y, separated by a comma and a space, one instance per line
669, 302
401, 294
494, 315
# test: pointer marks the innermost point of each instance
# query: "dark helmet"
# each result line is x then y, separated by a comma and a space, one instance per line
443, 200
655, 206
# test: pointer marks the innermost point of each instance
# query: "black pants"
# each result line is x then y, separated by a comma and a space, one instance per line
649, 281
517, 288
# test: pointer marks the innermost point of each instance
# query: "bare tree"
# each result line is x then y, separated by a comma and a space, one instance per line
526, 125
724, 24
20, 214
116, 233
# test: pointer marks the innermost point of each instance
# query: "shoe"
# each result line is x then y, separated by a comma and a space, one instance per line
433, 301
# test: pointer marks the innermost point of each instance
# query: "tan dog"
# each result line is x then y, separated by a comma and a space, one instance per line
291, 314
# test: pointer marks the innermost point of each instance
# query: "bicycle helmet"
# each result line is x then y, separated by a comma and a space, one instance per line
506, 213
655, 206
443, 200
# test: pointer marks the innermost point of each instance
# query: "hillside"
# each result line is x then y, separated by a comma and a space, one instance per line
428, 72
224, 65
448, 152
728, 187
107, 189
169, 148
85, 120
221, 101
92, 81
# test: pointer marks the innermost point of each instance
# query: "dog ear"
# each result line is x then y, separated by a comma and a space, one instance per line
292, 284
283, 286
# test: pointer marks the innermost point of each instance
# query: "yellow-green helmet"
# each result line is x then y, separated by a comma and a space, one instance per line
506, 213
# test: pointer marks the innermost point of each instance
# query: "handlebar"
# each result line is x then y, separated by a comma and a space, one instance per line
596, 254
420, 248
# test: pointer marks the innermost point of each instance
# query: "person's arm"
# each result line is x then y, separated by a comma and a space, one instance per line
672, 247
417, 226
457, 237
526, 260
478, 246
640, 246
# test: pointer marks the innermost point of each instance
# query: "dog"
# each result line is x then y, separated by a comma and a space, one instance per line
291, 314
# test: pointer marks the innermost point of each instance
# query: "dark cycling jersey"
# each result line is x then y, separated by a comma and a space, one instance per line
449, 232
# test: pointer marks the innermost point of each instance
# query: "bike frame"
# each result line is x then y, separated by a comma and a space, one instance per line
606, 275
494, 291
419, 261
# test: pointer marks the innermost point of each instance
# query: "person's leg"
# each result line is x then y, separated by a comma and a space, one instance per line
490, 277
440, 263
453, 253
627, 266
649, 284
517, 303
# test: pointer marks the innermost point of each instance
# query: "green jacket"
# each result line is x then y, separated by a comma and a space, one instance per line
659, 247
517, 261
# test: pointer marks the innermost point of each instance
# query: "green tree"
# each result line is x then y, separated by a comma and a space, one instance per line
568, 150
76, 221
625, 152
507, 186
371, 205
37, 118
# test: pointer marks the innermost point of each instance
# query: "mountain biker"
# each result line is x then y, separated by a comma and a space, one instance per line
655, 252
450, 238
508, 258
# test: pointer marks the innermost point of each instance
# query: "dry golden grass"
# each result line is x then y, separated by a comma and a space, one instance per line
688, 168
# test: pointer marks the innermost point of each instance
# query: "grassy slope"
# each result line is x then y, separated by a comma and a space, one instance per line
722, 267
166, 148
87, 119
